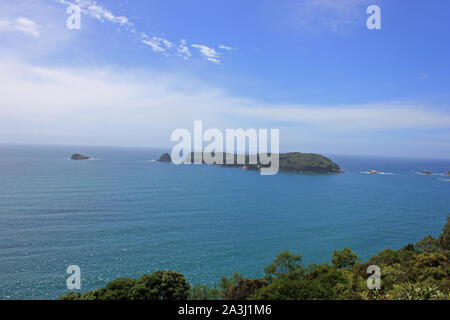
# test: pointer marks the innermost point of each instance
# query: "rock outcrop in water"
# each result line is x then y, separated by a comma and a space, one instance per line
77, 156
165, 158
289, 162
448, 174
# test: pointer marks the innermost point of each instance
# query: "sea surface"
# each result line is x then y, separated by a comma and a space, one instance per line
123, 214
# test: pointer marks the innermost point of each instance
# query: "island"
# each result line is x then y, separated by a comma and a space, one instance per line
289, 162
448, 173
77, 156
426, 172
165, 158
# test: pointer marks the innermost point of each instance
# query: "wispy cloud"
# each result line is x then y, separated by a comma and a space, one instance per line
158, 44
161, 45
183, 50
208, 53
92, 8
20, 24
224, 47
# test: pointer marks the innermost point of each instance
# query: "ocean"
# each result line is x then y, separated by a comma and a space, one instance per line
123, 214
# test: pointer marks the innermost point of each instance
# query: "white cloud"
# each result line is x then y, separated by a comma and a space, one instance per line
157, 44
385, 116
183, 50
227, 48
105, 106
208, 53
154, 45
94, 10
100, 106
135, 108
161, 45
20, 24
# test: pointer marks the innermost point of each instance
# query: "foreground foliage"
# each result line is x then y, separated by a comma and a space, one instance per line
418, 271
160, 285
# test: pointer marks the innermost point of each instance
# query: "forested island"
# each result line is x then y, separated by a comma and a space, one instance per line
307, 163
418, 271
288, 162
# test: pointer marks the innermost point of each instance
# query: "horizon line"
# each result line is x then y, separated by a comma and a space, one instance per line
168, 148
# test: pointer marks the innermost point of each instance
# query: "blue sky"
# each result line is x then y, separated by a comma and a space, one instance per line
137, 70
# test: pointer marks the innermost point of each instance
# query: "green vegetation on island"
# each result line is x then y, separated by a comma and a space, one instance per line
289, 162
307, 162
418, 271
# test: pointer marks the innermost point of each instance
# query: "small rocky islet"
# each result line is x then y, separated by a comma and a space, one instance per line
427, 172
77, 156
165, 158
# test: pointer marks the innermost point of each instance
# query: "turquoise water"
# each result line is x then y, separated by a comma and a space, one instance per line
123, 215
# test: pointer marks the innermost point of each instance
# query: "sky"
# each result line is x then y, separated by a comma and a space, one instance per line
137, 70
